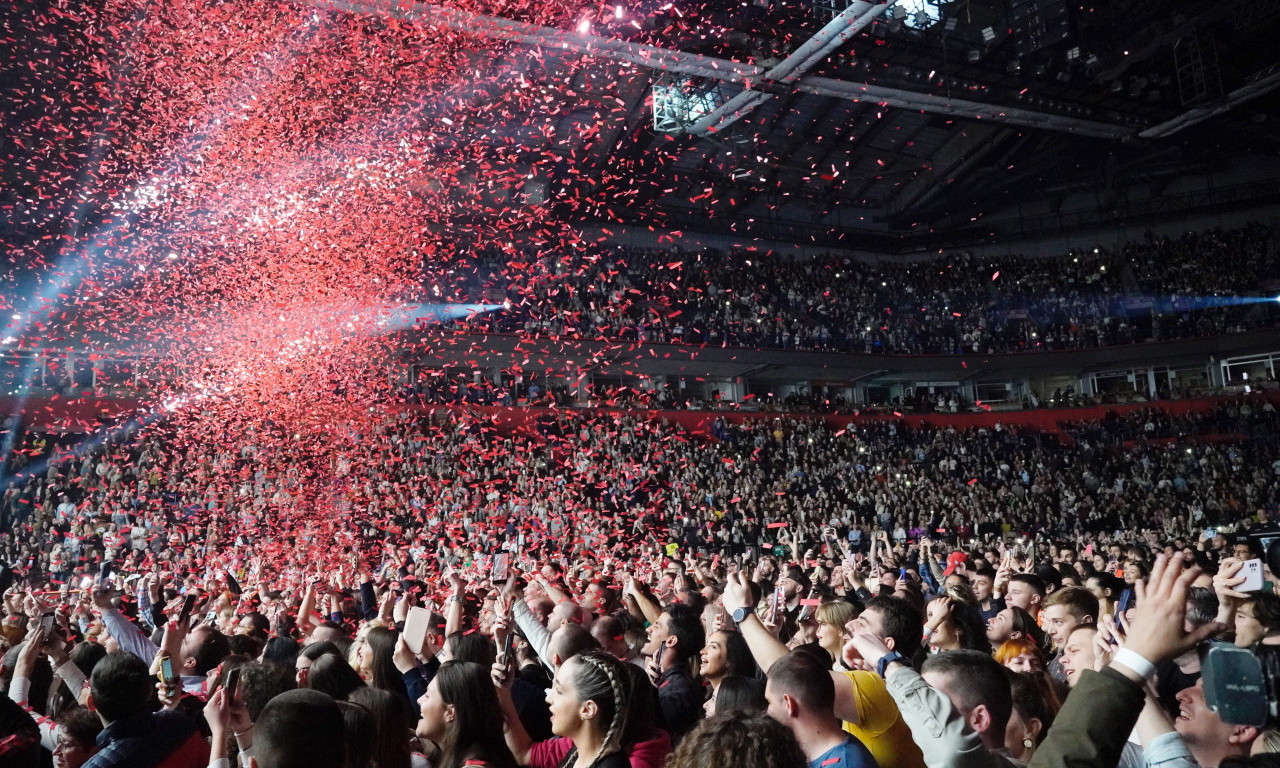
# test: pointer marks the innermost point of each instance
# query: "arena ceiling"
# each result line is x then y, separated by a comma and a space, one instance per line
893, 126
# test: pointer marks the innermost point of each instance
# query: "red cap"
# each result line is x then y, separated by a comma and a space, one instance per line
954, 559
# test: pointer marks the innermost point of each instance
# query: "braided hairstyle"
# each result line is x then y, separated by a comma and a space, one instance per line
600, 677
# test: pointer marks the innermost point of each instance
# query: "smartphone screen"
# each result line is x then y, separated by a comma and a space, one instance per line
778, 602
507, 645
166, 671
501, 568
46, 626
104, 576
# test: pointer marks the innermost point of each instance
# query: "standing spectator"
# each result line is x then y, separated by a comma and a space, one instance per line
801, 696
458, 716
121, 690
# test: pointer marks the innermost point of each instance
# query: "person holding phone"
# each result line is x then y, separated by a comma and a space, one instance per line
674, 644
194, 651
1253, 615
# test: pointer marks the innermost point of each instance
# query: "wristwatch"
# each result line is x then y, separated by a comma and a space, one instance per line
740, 615
890, 658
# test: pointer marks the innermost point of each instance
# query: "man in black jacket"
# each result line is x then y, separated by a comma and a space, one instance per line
674, 643
120, 691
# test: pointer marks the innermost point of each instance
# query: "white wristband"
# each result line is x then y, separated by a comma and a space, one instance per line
1133, 660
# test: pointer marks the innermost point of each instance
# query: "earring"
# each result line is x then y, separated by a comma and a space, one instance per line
1028, 743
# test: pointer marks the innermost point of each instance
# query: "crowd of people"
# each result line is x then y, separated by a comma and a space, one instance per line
611, 591
1157, 288
1230, 417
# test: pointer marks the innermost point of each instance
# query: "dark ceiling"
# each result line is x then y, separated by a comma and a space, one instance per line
880, 175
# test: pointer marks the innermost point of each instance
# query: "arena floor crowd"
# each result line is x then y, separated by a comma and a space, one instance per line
609, 589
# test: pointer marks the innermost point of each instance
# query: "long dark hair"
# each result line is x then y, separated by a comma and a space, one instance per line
333, 675
391, 724
475, 733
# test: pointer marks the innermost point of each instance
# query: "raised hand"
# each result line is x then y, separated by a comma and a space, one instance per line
1158, 632
939, 610
737, 593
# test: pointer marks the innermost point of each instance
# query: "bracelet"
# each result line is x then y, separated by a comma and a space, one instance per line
1135, 661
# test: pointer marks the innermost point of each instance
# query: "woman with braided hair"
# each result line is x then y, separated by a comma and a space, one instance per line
590, 701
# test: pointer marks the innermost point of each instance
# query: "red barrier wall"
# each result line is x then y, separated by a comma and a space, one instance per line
83, 414
700, 422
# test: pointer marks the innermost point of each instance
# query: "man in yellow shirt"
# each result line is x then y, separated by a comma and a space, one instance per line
862, 699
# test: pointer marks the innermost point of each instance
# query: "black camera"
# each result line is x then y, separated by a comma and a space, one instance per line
1242, 685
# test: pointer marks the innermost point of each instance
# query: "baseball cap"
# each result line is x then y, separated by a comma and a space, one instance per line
954, 559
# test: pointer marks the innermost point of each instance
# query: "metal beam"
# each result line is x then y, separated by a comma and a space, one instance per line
837, 32
536, 36
724, 70
974, 110
1261, 83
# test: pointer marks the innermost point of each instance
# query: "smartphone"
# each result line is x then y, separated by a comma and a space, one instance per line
233, 683
46, 626
501, 570
1122, 607
1251, 570
415, 628
104, 576
167, 675
775, 609
507, 644
188, 604
233, 586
